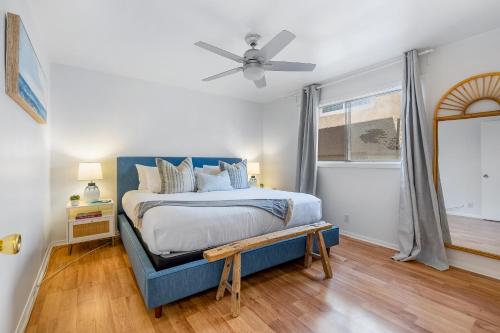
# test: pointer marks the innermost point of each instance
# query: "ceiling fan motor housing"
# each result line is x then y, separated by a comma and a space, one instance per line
252, 55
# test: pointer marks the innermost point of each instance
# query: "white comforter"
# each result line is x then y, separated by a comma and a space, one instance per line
168, 229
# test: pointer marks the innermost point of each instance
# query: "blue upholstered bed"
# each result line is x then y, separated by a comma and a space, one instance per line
171, 284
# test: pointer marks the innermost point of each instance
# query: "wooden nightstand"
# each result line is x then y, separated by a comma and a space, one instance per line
83, 229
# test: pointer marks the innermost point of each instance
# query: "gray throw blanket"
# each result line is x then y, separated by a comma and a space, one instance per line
281, 208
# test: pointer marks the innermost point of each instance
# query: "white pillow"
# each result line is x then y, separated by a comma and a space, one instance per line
211, 169
208, 183
141, 174
154, 180
149, 178
207, 169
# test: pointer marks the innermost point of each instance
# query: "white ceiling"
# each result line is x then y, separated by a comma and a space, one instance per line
153, 39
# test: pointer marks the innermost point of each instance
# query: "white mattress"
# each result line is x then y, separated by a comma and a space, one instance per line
168, 229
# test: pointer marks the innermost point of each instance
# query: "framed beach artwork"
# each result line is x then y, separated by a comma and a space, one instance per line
25, 80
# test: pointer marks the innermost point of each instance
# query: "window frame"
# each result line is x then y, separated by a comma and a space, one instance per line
348, 162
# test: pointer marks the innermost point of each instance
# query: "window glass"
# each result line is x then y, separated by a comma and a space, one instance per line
332, 133
363, 129
375, 128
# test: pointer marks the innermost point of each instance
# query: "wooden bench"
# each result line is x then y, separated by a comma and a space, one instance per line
232, 253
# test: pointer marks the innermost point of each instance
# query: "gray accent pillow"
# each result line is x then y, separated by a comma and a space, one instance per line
176, 179
209, 183
237, 173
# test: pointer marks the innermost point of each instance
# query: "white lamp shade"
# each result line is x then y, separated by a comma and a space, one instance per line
89, 171
253, 168
253, 72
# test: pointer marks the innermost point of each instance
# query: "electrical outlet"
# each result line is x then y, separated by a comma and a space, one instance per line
346, 218
470, 204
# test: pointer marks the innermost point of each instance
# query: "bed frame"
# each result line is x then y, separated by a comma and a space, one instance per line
169, 285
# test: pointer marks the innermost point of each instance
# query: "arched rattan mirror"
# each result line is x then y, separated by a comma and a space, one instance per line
467, 158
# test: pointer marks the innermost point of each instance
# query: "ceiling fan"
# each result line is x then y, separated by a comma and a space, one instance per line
256, 61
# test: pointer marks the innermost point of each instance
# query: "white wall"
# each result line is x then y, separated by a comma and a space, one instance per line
375, 80
363, 201
24, 181
280, 127
374, 215
97, 117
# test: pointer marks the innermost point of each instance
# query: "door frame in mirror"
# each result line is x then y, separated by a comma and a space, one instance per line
454, 105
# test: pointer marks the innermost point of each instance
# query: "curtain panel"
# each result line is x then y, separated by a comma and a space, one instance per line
422, 219
308, 141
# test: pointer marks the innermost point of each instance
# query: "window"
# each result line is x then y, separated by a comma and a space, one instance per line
363, 129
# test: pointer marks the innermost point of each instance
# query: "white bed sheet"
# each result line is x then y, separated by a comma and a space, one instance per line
168, 229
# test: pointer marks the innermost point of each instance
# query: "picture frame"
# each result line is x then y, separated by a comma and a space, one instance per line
25, 80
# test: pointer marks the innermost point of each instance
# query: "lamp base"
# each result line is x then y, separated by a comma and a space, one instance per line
91, 193
252, 182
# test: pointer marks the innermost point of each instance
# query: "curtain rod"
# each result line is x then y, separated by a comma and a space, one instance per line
368, 69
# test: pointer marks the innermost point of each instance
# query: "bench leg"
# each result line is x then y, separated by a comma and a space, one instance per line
158, 311
236, 285
223, 278
324, 255
309, 247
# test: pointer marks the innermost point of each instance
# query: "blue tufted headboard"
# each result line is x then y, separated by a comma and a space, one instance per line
126, 172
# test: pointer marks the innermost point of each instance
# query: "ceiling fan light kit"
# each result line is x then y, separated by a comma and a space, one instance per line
255, 62
253, 71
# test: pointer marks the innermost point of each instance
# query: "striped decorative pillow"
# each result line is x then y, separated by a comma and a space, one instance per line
176, 179
237, 173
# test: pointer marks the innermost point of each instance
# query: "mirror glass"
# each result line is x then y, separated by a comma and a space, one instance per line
469, 166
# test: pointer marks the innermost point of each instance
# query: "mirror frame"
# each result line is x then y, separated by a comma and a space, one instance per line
453, 105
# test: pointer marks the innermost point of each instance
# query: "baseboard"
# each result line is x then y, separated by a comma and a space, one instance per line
472, 216
370, 240
25, 316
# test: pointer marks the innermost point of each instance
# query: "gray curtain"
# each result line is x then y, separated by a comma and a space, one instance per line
308, 141
422, 219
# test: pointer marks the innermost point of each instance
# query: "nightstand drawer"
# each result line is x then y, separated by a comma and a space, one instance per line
90, 221
90, 229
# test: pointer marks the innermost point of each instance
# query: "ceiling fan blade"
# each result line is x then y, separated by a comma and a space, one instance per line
275, 45
226, 73
260, 83
219, 51
288, 66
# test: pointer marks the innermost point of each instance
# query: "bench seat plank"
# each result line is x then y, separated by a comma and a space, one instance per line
230, 249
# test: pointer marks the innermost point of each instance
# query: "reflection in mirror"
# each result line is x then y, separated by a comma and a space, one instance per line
469, 166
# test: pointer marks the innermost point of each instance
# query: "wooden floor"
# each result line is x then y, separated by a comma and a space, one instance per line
475, 234
368, 293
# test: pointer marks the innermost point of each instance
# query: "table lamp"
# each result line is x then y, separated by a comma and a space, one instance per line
90, 172
253, 170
